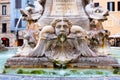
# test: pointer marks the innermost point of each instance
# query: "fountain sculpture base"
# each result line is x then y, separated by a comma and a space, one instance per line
82, 62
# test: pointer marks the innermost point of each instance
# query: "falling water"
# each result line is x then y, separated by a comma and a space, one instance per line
16, 27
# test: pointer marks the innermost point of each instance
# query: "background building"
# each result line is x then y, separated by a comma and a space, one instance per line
16, 5
5, 35
113, 22
9, 16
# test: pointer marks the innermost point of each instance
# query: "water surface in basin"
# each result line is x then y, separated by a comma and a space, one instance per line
115, 52
49, 72
4, 55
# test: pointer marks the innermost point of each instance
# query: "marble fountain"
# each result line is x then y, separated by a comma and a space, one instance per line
63, 34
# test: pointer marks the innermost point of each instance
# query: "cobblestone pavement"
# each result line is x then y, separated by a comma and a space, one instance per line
14, 77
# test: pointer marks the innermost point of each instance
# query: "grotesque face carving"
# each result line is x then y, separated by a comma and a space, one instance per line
62, 28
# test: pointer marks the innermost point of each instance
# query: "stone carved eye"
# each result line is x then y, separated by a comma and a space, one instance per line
65, 26
58, 26
98, 11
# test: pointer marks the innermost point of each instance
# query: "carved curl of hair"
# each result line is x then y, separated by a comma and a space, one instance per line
60, 20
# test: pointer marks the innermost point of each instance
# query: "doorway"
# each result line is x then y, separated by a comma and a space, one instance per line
4, 28
5, 41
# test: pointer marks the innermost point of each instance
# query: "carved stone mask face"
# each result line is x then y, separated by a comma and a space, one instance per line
62, 28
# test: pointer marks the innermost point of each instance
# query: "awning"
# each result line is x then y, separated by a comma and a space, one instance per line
115, 35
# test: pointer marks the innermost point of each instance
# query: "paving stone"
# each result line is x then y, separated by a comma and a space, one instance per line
27, 78
12, 77
114, 78
49, 78
15, 78
4, 78
81, 78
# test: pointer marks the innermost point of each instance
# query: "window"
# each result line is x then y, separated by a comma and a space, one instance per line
111, 6
96, 4
4, 28
17, 4
119, 6
19, 23
4, 9
12, 31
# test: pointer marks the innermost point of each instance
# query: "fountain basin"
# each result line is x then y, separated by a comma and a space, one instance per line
26, 62
81, 71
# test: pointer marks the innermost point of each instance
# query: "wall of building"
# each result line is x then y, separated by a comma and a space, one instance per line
5, 18
9, 19
113, 22
16, 5
15, 13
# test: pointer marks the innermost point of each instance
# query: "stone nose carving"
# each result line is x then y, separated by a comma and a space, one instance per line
62, 29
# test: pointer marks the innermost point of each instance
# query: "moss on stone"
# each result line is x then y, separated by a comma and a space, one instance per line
4, 71
74, 71
38, 72
116, 71
99, 72
21, 71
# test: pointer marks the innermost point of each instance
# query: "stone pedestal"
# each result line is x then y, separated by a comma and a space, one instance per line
71, 9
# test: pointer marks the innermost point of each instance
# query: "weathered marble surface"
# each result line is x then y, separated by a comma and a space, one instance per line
2, 48
26, 62
79, 18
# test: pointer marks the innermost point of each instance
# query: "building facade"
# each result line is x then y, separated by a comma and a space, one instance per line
113, 22
16, 5
6, 36
16, 23
5, 16
9, 16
